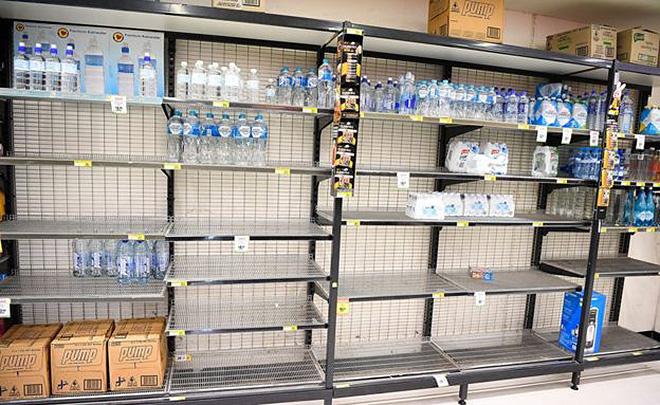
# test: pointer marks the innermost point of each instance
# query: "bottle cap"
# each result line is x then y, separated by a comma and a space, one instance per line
192, 112
147, 57
124, 49
253, 71
326, 61
209, 115
184, 64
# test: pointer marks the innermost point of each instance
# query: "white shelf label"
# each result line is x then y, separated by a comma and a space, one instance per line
541, 133
118, 104
566, 135
403, 180
641, 140
480, 298
441, 380
593, 138
241, 244
4, 307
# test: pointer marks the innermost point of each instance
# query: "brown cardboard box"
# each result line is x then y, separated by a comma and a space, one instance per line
247, 5
472, 19
24, 358
79, 357
594, 41
137, 354
638, 45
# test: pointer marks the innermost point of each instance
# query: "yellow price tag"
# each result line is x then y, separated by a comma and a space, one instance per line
343, 307
177, 399
221, 104
562, 181
82, 163
344, 194
650, 229
446, 120
290, 328
537, 224
342, 385
135, 236
182, 357
656, 184
603, 230
438, 295
626, 183
462, 224
633, 229
361, 114
637, 353
172, 166
310, 110
523, 126
353, 222
490, 177
354, 31
178, 283
596, 276
592, 358
176, 332
640, 184
283, 171
418, 118
620, 135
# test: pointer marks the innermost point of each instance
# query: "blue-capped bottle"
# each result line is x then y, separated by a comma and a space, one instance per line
125, 262
259, 136
191, 132
640, 209
422, 102
208, 139
21, 68
523, 108
125, 73
142, 261
174, 135
160, 259
284, 86
109, 259
226, 148
311, 88
389, 96
80, 257
626, 113
242, 132
629, 209
298, 91
53, 70
96, 253
37, 69
408, 93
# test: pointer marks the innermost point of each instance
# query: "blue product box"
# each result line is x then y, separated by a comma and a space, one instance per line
570, 321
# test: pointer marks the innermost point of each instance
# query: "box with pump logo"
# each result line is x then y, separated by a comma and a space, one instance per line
78, 356
24, 357
482, 20
137, 354
570, 321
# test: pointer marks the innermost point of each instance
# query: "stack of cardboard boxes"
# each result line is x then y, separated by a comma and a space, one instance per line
82, 357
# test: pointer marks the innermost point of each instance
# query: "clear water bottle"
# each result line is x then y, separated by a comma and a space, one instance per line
148, 84
388, 96
626, 114
174, 134
259, 136
142, 259
182, 90
125, 73
125, 261
422, 98
160, 259
284, 86
109, 263
190, 139
208, 139
28, 47
365, 94
481, 104
408, 90
232, 89
94, 69
444, 99
397, 96
470, 102
460, 97
242, 132
21, 68
80, 257
602, 109
213, 82
434, 98
53, 70
523, 108
37, 69
325, 86
70, 72
252, 87
378, 103
198, 81
592, 111
311, 88
511, 107
225, 151
271, 92
298, 91
96, 253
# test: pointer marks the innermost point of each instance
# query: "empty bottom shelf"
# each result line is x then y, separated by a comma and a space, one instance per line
614, 339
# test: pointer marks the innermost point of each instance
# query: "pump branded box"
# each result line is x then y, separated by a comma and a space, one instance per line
638, 45
472, 19
137, 354
594, 41
24, 359
79, 357
570, 321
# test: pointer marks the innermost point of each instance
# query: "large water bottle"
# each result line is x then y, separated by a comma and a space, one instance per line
626, 114
311, 88
109, 263
148, 81
94, 69
198, 81
53, 70
325, 85
142, 259
650, 209
523, 108
388, 96
213, 82
422, 103
96, 253
160, 259
298, 91
183, 82
21, 68
270, 96
70, 72
511, 107
208, 139
80, 257
284, 86
602, 109
592, 111
174, 134
225, 151
408, 101
365, 94
125, 262
259, 135
232, 89
37, 69
379, 98
191, 132
252, 87
125, 73
458, 102
242, 132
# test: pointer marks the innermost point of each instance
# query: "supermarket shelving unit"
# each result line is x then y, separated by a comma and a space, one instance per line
344, 264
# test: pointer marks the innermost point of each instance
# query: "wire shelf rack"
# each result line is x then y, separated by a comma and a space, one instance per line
285, 314
205, 229
614, 339
272, 108
605, 267
522, 281
237, 269
244, 369
41, 288
6, 93
32, 227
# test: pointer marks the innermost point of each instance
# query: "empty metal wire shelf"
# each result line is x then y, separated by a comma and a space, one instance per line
204, 229
526, 281
605, 267
83, 227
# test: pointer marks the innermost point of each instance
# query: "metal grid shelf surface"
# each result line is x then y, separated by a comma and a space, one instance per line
523, 281
244, 369
237, 269
83, 228
499, 349
614, 340
386, 359
290, 109
37, 95
204, 229
605, 267
648, 139
226, 316
43, 288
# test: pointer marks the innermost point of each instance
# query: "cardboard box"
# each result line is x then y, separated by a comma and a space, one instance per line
482, 20
137, 354
594, 41
79, 357
24, 360
570, 321
638, 45
246, 5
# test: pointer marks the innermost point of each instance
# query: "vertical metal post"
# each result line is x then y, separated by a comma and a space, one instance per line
537, 247
462, 394
332, 299
617, 292
170, 67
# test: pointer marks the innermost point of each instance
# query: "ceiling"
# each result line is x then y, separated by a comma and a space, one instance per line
619, 13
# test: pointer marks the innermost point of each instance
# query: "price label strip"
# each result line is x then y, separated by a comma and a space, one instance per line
566, 135
480, 298
82, 163
441, 380
172, 166
640, 141
221, 104
593, 138
136, 236
283, 171
290, 328
118, 104
343, 307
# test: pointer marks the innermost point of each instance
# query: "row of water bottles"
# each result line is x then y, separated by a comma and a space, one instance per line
126, 260
584, 163
315, 88
219, 141
215, 82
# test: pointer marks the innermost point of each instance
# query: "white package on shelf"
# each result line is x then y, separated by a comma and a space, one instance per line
476, 205
501, 205
452, 204
425, 206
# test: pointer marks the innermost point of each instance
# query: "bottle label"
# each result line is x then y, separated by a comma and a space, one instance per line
422, 93
244, 131
94, 60
212, 130
183, 78
125, 68
270, 92
283, 81
147, 74
252, 84
312, 82
214, 80
198, 78
175, 128
69, 68
21, 64
225, 131
53, 67
257, 132
37, 65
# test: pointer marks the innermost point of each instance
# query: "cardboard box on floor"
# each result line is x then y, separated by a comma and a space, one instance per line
24, 360
137, 354
638, 45
472, 19
594, 41
79, 357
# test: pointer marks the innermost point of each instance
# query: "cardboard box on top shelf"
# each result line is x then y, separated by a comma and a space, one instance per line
481, 20
24, 360
594, 41
638, 45
137, 354
79, 357
247, 5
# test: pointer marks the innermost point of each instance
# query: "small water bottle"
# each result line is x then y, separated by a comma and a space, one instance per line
198, 81
208, 139
70, 72
96, 252
523, 108
298, 91
182, 91
148, 83
458, 105
626, 114
213, 83
174, 134
53, 70
125, 262
191, 132
225, 148
511, 107
160, 259
80, 257
311, 89
325, 85
21, 68
125, 74
109, 263
241, 134
271, 92
388, 96
37, 69
142, 260
259, 135
232, 89
422, 98
284, 86
252, 87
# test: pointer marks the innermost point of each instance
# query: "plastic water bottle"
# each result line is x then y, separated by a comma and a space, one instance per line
602, 109
499, 106
225, 150
422, 98
260, 136
592, 111
160, 259
94, 69
270, 92
252, 87
21, 68
109, 263
650, 209
125, 73
325, 85
191, 132
174, 134
408, 101
460, 96
96, 253
434, 96
182, 90
80, 257
379, 98
142, 259
70, 72
198, 81
284, 86
490, 104
511, 107
53, 70
523, 108
298, 91
311, 88
389, 96
124, 261
232, 89
208, 139
148, 79
37, 69
640, 209
625, 113
444, 99
213, 82
365, 94
242, 132
470, 101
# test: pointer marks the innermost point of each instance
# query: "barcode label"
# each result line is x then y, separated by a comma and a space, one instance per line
609, 52
493, 32
149, 380
252, 3
30, 390
92, 385
582, 50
